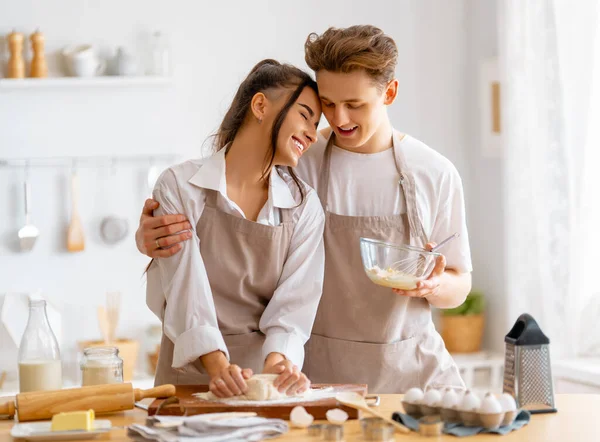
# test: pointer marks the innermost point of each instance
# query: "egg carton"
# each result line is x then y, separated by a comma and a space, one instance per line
465, 408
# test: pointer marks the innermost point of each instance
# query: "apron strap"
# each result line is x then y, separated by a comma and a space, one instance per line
407, 184
323, 184
211, 198
211, 201
286, 215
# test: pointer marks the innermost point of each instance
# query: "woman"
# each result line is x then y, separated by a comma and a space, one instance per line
242, 294
377, 182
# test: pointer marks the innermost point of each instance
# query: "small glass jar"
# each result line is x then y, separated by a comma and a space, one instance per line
101, 365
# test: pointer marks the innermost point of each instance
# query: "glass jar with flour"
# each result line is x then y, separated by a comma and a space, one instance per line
101, 365
39, 357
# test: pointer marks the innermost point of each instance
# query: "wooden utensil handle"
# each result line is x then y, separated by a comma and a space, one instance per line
8, 409
398, 425
162, 391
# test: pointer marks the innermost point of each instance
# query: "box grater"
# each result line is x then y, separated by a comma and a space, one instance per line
527, 372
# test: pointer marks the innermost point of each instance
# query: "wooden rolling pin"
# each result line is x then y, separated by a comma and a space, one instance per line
107, 398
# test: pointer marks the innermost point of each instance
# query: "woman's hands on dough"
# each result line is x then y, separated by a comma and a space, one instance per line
290, 380
230, 381
226, 379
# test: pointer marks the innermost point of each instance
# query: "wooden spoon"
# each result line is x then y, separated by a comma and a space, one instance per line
356, 401
75, 239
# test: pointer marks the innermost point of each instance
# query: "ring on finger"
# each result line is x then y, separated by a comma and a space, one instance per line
157, 245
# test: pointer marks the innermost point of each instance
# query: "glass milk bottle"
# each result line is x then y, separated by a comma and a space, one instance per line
39, 356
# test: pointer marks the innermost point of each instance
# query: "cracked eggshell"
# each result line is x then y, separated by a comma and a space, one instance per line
336, 416
299, 417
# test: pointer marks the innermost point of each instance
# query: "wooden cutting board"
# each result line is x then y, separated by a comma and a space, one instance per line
193, 405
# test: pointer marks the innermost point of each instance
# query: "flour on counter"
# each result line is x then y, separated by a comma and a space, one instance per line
261, 391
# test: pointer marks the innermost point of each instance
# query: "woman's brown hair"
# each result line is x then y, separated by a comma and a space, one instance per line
268, 75
357, 47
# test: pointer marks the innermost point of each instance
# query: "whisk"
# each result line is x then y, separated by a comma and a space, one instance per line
416, 265
109, 316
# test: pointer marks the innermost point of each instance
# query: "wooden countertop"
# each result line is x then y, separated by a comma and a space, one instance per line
578, 419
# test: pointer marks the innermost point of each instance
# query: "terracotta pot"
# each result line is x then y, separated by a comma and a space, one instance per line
462, 333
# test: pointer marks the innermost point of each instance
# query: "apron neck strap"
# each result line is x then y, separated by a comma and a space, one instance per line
407, 185
323, 183
409, 190
211, 201
211, 198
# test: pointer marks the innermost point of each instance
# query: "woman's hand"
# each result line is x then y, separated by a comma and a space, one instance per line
226, 379
290, 380
230, 381
430, 286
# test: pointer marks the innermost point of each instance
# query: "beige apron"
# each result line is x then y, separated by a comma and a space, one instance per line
243, 261
364, 333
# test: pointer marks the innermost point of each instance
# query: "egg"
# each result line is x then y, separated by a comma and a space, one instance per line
470, 402
336, 416
432, 398
490, 405
414, 396
299, 417
507, 402
450, 399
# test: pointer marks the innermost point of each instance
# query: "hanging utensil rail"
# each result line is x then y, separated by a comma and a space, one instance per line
88, 161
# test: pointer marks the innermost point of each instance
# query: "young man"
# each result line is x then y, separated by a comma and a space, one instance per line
375, 182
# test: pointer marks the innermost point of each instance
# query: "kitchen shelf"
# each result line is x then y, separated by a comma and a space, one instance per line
8, 84
88, 161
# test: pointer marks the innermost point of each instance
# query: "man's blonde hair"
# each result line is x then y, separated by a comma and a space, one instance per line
348, 49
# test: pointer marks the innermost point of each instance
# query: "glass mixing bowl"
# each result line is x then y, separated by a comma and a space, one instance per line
396, 266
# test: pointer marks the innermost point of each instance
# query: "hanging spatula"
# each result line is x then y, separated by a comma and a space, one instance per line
28, 233
75, 239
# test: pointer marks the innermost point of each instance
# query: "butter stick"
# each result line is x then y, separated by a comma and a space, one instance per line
73, 420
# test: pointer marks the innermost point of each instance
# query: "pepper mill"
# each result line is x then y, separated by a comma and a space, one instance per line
16, 63
39, 68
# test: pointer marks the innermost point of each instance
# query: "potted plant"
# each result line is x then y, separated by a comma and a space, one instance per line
462, 326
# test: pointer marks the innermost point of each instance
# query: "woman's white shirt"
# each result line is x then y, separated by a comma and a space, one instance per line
181, 282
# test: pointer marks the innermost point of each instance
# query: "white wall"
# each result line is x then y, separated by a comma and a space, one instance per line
484, 191
214, 45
